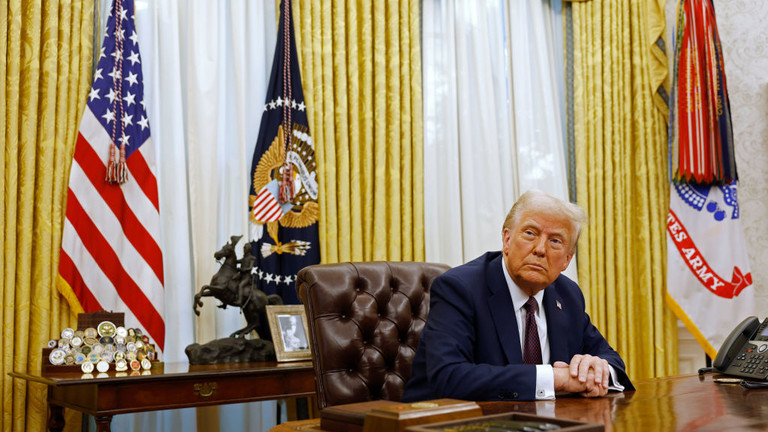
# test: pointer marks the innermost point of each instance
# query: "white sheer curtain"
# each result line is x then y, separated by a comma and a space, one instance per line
493, 109
469, 162
206, 66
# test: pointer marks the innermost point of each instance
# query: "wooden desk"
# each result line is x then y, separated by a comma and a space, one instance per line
682, 403
174, 385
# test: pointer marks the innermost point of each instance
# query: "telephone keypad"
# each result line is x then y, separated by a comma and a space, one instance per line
751, 362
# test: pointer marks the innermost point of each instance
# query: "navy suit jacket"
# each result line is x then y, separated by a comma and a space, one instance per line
470, 346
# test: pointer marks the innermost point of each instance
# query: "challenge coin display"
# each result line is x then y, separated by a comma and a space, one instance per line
100, 347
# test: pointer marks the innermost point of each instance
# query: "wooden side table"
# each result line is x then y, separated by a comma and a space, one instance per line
170, 386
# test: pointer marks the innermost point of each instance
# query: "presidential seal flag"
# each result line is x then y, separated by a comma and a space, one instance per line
110, 248
283, 210
709, 283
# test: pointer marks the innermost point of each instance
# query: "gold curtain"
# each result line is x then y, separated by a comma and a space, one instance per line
46, 73
361, 72
621, 160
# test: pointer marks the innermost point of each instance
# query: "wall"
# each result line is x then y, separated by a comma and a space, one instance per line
744, 37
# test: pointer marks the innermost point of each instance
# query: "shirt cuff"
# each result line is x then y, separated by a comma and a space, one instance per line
545, 382
614, 384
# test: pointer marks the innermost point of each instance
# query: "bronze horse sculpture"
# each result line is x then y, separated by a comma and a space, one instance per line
233, 285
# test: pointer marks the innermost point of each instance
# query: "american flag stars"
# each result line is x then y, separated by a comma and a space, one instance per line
116, 97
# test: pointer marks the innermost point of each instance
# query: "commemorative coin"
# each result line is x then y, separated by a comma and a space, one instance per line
56, 357
106, 328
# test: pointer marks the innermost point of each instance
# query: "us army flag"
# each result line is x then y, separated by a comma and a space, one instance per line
708, 275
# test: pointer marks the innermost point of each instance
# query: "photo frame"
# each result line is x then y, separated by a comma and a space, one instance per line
290, 332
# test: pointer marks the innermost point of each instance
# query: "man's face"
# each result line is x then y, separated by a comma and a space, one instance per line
536, 249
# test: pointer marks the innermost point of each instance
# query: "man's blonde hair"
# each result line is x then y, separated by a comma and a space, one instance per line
543, 202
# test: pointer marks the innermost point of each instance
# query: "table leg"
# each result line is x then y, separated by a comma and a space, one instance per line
56, 419
103, 422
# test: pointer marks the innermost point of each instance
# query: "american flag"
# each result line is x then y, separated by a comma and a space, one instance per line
110, 249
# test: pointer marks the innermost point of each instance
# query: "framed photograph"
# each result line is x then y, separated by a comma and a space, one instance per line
290, 332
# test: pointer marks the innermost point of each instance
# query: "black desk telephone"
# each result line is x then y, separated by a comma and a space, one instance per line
745, 351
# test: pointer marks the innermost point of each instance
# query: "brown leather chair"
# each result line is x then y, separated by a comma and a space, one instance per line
365, 320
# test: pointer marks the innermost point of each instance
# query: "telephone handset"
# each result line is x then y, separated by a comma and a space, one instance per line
745, 351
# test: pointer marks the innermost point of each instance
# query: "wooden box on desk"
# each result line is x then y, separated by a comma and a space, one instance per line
381, 415
93, 319
496, 422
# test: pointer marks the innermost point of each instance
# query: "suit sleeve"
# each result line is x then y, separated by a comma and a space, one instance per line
596, 345
450, 336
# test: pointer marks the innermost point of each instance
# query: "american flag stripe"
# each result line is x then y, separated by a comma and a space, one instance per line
93, 132
96, 278
141, 204
108, 268
116, 257
94, 168
68, 271
144, 178
105, 225
101, 298
111, 257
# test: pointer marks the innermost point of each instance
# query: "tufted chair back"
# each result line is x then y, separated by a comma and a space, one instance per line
365, 320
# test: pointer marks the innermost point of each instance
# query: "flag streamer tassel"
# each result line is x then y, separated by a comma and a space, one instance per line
117, 169
286, 183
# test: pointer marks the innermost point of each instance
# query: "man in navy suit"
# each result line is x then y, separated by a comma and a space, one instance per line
475, 346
